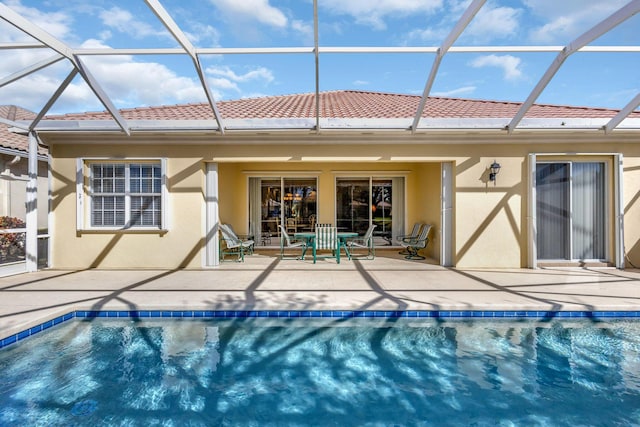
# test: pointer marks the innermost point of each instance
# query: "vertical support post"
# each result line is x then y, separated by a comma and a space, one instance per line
446, 214
532, 247
212, 212
618, 178
31, 245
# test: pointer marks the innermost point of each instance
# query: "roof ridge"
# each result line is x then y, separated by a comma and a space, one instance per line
347, 103
11, 112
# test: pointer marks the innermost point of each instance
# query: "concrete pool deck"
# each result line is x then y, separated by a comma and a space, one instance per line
264, 282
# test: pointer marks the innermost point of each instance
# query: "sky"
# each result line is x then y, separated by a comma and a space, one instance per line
595, 79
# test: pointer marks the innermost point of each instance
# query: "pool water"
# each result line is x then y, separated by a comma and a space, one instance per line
349, 372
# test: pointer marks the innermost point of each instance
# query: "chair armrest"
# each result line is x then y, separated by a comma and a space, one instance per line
409, 239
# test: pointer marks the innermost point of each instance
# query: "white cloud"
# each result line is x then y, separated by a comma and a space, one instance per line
494, 22
129, 82
260, 73
489, 23
126, 81
374, 13
105, 35
465, 90
303, 28
203, 35
252, 10
567, 19
360, 83
123, 21
428, 34
222, 84
225, 79
509, 64
58, 24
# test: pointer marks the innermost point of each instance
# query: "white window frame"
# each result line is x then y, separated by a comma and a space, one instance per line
83, 194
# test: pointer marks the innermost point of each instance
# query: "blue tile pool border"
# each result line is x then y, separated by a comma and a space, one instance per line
335, 314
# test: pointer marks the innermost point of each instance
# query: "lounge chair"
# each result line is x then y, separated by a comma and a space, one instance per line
326, 239
287, 243
413, 235
233, 245
414, 245
364, 242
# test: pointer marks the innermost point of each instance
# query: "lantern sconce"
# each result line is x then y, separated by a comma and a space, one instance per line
495, 169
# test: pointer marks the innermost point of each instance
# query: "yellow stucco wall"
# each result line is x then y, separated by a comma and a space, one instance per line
424, 206
489, 223
180, 247
631, 192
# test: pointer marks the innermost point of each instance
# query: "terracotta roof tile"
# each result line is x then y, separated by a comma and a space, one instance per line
13, 140
15, 113
346, 104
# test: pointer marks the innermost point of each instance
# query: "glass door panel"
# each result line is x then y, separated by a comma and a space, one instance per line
299, 201
353, 201
571, 210
381, 190
552, 205
271, 197
588, 211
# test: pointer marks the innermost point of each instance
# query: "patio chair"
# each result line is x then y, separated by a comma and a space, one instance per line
245, 237
413, 235
326, 240
233, 245
292, 225
414, 245
364, 242
287, 243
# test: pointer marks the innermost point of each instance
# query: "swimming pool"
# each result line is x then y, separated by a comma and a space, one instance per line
349, 371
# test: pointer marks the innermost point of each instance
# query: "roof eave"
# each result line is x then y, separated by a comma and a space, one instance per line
335, 124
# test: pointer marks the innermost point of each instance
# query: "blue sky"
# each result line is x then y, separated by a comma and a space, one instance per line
586, 79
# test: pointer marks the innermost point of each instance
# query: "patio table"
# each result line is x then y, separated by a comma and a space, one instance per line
310, 238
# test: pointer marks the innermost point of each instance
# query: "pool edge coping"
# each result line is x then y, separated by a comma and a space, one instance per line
54, 320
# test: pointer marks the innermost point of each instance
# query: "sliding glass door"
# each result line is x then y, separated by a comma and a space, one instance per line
353, 201
361, 202
290, 202
571, 211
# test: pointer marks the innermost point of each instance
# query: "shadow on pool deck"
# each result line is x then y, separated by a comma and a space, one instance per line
264, 282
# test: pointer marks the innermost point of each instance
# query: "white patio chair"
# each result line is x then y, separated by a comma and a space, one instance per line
233, 245
326, 240
408, 237
364, 242
287, 242
414, 245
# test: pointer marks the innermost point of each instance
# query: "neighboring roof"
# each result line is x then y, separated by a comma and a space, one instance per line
15, 113
11, 140
347, 104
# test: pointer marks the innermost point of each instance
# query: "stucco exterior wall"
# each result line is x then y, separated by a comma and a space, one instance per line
489, 222
14, 177
631, 205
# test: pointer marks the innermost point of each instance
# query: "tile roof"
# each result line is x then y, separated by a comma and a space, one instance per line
13, 140
347, 104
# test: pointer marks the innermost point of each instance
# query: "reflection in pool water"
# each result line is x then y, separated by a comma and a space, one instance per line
311, 372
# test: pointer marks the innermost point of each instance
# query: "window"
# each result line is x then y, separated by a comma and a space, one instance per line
126, 194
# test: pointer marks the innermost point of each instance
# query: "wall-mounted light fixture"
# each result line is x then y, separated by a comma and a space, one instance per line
495, 169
